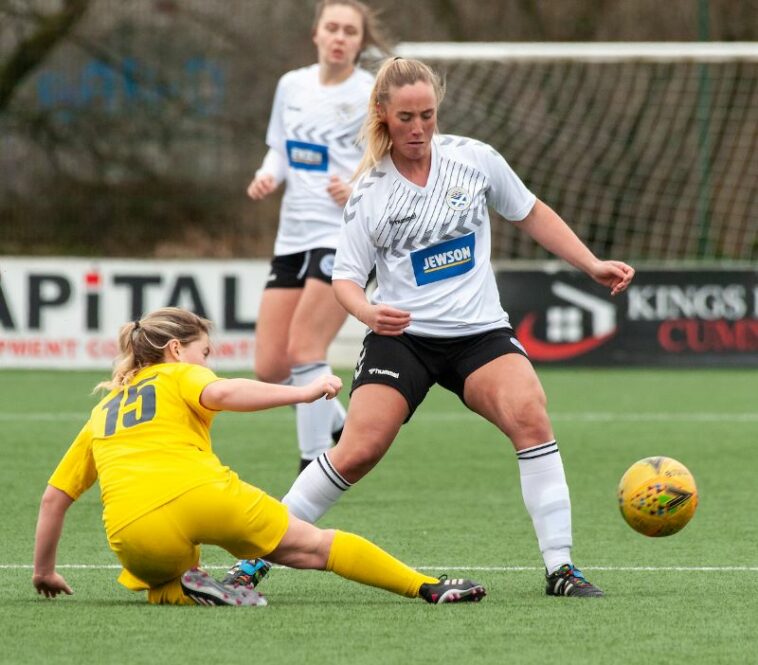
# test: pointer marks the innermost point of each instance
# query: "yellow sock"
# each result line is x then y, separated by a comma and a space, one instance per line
357, 559
132, 582
170, 593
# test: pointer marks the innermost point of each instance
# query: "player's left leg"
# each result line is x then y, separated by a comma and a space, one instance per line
159, 557
316, 322
507, 392
357, 559
154, 564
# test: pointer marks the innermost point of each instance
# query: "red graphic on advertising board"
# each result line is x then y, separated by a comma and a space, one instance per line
564, 325
697, 336
549, 351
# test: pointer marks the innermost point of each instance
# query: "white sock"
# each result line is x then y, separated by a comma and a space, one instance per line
546, 495
315, 490
316, 421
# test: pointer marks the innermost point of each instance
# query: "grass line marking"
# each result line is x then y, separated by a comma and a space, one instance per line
582, 417
489, 569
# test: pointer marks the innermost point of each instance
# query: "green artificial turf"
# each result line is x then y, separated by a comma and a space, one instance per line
446, 498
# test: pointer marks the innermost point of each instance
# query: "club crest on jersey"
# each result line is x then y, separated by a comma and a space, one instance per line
457, 198
344, 111
307, 156
448, 259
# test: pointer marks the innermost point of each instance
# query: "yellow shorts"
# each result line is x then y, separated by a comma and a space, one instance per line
161, 545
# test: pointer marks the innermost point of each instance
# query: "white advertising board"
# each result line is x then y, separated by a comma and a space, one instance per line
65, 312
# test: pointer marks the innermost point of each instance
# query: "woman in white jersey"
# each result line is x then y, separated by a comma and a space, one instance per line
420, 214
316, 116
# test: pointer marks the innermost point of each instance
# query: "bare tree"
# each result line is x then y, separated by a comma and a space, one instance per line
46, 31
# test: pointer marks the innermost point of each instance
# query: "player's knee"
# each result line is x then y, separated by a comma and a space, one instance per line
324, 547
529, 421
272, 371
304, 350
357, 461
521, 417
315, 550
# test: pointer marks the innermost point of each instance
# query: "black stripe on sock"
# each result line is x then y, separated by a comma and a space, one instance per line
551, 452
538, 451
335, 478
334, 471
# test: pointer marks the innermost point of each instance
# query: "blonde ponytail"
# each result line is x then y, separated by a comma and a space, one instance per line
142, 343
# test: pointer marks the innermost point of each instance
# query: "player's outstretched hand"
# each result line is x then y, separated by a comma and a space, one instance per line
339, 190
327, 386
386, 320
51, 585
261, 186
616, 275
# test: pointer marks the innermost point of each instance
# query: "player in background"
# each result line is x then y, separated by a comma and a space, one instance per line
312, 138
164, 491
421, 216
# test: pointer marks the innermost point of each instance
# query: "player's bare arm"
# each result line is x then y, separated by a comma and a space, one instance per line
52, 513
249, 395
339, 190
382, 319
546, 227
261, 186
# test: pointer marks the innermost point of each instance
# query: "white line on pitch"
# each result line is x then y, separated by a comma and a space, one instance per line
583, 417
490, 569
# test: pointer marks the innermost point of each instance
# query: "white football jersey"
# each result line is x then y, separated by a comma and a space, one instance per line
431, 244
314, 127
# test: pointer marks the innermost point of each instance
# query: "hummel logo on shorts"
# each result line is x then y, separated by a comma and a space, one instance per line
386, 372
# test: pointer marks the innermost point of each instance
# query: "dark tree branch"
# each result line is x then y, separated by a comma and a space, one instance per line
33, 50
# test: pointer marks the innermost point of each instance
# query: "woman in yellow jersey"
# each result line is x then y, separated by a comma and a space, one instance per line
165, 492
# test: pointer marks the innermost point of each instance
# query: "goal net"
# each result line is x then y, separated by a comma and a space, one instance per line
649, 151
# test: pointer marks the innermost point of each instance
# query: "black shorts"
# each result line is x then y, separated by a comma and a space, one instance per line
412, 364
290, 271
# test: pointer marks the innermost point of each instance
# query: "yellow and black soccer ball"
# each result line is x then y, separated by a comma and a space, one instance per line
657, 496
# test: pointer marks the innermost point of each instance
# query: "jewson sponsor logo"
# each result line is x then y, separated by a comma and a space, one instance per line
308, 156
448, 259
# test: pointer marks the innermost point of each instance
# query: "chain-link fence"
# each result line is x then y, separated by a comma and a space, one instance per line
139, 132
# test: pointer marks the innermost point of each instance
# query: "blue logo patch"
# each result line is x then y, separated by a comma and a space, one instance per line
448, 259
308, 156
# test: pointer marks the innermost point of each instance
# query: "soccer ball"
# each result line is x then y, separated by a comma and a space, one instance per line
657, 496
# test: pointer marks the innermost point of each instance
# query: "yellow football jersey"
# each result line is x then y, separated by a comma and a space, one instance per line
148, 443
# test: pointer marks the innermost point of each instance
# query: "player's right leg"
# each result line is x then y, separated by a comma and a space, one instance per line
357, 559
277, 308
364, 441
316, 322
